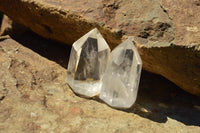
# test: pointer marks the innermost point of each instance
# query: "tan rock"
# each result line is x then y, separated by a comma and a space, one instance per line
34, 97
178, 63
185, 16
6, 25
172, 23
9, 27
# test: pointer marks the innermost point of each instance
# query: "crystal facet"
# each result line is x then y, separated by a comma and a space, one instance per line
122, 75
87, 64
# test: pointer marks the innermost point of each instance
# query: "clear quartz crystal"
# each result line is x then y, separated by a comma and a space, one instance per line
87, 64
122, 76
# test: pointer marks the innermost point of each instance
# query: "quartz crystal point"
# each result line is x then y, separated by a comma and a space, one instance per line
87, 64
122, 75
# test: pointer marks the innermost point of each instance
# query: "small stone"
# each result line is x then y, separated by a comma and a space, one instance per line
122, 76
87, 64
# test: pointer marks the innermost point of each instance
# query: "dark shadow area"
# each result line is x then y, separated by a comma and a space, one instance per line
158, 98
49, 49
1, 18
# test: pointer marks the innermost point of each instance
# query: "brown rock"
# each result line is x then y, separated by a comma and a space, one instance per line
9, 27
173, 24
185, 16
180, 64
34, 97
51, 22
6, 25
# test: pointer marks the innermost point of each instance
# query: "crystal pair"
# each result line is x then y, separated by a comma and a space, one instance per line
94, 71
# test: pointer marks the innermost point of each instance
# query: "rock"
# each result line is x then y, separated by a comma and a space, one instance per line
176, 29
51, 22
185, 20
6, 25
34, 97
180, 64
9, 27
65, 20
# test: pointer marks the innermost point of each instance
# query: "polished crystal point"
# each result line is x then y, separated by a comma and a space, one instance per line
87, 63
122, 76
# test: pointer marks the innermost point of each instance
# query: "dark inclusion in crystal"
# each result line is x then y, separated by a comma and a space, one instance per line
88, 60
127, 60
88, 67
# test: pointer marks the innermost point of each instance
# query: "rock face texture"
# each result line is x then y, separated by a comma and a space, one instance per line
6, 25
171, 28
184, 15
34, 96
180, 64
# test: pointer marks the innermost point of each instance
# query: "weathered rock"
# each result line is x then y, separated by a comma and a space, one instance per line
50, 22
185, 18
5, 26
156, 20
180, 64
66, 21
34, 97
9, 27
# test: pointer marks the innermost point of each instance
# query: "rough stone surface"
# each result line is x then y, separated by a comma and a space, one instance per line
6, 25
185, 18
181, 66
49, 20
34, 96
168, 21
9, 27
